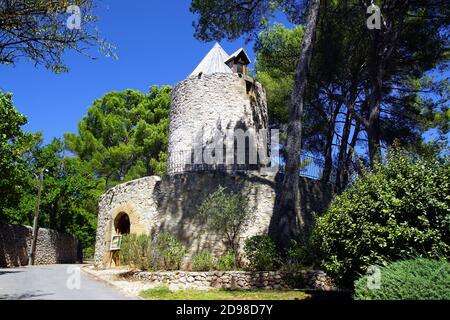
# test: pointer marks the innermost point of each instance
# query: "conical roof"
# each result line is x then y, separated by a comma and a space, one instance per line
213, 62
237, 53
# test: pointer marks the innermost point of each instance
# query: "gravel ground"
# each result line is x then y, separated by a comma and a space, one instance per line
130, 288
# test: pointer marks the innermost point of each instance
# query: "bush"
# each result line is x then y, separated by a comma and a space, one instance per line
202, 262
419, 279
400, 211
170, 251
300, 256
137, 252
88, 253
261, 253
227, 213
227, 262
161, 253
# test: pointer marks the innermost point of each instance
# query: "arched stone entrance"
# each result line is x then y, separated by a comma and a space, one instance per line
124, 220
122, 224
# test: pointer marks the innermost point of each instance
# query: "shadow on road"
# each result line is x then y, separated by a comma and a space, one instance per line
2, 272
24, 296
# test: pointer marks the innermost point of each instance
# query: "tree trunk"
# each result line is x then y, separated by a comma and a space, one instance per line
328, 155
373, 135
148, 167
328, 165
107, 179
376, 83
290, 219
350, 153
343, 152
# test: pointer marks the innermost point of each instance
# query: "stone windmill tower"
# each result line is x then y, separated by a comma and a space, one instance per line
218, 98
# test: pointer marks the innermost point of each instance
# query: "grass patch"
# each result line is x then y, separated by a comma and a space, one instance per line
164, 293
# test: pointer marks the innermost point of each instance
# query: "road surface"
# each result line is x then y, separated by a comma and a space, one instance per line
55, 282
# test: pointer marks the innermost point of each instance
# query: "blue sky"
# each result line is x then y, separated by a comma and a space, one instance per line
155, 45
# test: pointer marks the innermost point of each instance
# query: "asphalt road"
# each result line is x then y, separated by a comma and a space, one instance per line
56, 282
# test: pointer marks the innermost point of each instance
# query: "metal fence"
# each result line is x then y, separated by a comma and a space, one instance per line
311, 167
187, 161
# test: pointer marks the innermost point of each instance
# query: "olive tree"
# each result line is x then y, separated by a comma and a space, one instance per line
227, 213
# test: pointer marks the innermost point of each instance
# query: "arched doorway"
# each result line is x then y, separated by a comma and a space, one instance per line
125, 219
122, 224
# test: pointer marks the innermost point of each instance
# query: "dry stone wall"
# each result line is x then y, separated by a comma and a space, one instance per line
52, 247
240, 280
179, 197
133, 198
171, 205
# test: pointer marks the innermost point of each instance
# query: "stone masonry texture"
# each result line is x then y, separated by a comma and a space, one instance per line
205, 110
170, 204
52, 247
241, 280
209, 108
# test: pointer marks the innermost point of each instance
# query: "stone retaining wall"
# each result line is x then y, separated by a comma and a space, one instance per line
52, 247
241, 280
170, 204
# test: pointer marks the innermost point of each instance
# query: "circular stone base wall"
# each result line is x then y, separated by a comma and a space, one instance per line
171, 205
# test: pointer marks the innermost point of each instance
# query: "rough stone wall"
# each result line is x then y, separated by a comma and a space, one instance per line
242, 280
52, 247
180, 195
171, 205
210, 107
134, 198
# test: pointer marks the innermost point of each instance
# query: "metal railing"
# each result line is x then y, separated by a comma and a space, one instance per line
311, 167
187, 161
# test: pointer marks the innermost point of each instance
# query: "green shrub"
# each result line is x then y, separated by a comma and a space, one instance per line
400, 211
419, 279
88, 253
137, 252
202, 262
170, 251
227, 213
261, 253
300, 256
227, 262
161, 253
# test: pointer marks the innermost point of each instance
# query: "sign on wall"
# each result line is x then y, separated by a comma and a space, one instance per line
116, 241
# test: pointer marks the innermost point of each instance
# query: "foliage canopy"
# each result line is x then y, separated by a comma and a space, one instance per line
400, 211
124, 136
37, 30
